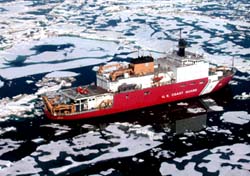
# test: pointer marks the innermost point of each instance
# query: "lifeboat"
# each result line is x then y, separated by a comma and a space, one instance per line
82, 90
157, 78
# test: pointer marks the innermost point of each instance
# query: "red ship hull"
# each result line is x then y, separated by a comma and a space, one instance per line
137, 99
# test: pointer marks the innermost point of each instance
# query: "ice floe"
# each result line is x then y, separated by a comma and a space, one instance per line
234, 155
107, 172
224, 160
114, 141
212, 105
245, 78
216, 129
216, 108
195, 110
46, 89
7, 145
85, 52
61, 74
182, 104
243, 96
1, 83
61, 129
17, 105
22, 104
29, 81
162, 153
146, 131
233, 82
236, 117
38, 140
7, 129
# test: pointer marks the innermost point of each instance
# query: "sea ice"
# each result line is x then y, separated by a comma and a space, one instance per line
17, 105
85, 52
1, 83
7, 145
243, 96
211, 104
114, 141
195, 110
233, 82
46, 89
216, 129
226, 160
216, 108
150, 26
182, 104
236, 117
245, 78
60, 74
38, 140
29, 81
60, 129
7, 129
169, 169
164, 154
20, 104
107, 172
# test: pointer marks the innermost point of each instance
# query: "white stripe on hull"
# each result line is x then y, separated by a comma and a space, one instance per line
209, 87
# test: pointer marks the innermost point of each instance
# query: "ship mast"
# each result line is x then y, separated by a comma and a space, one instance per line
181, 45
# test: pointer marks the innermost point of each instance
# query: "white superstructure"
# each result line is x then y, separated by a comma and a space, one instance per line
197, 70
165, 71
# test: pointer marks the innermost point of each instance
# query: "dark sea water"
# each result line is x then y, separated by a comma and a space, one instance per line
190, 137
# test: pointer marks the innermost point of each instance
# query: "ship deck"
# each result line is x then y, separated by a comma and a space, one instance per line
92, 90
173, 60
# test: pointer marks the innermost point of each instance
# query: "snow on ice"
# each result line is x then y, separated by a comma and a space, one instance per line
225, 160
17, 105
96, 39
211, 104
7, 129
216, 108
60, 129
85, 52
216, 129
20, 104
121, 140
7, 145
236, 117
195, 110
60, 74
243, 96
1, 83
